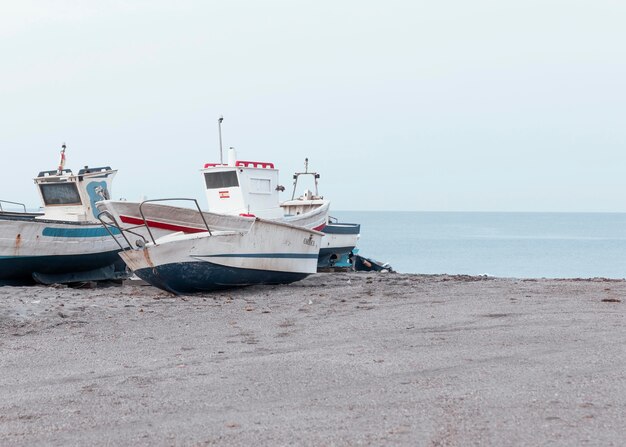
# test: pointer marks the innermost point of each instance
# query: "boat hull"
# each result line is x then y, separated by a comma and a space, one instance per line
29, 246
193, 277
268, 253
338, 242
315, 217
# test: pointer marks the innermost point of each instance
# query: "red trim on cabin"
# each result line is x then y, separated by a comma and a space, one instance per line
246, 215
255, 164
320, 228
161, 225
245, 164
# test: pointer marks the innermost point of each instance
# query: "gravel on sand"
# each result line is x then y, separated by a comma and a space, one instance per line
336, 359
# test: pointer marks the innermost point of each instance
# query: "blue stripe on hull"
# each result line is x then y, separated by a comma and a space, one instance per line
342, 228
324, 261
78, 232
192, 277
19, 269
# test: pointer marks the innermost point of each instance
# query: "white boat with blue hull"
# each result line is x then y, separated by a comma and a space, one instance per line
65, 242
231, 251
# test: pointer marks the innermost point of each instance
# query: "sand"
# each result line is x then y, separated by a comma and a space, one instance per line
336, 359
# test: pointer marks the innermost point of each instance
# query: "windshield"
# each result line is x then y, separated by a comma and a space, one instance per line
60, 194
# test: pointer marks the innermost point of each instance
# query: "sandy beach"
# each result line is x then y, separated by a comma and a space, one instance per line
337, 359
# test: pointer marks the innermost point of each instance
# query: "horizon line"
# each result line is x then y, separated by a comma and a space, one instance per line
481, 211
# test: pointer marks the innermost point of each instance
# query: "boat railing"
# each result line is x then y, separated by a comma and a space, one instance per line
122, 231
166, 200
54, 172
296, 176
11, 203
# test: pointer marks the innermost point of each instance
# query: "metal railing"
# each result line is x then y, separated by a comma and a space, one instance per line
11, 203
165, 200
112, 223
107, 226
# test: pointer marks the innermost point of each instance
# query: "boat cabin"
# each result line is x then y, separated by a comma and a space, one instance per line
72, 197
242, 187
309, 200
251, 188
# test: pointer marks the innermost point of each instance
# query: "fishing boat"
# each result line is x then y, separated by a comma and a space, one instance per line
223, 251
242, 187
65, 242
235, 188
340, 238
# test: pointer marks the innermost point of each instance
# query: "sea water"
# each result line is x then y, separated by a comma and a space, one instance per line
523, 245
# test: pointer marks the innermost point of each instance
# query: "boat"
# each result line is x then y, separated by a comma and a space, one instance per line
64, 242
252, 188
226, 251
340, 238
236, 188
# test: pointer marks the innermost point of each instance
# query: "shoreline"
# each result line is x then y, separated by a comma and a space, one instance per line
335, 359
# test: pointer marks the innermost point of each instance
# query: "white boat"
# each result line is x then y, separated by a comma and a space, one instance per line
230, 251
251, 188
340, 238
65, 242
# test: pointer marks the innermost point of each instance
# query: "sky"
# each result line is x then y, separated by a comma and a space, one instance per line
399, 105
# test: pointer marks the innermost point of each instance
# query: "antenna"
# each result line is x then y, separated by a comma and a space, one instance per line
219, 127
62, 160
306, 172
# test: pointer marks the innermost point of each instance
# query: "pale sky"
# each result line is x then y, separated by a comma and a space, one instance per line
400, 105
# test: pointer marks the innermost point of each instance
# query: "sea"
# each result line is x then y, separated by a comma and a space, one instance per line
521, 245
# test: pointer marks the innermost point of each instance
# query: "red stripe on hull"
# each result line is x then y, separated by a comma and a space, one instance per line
161, 225
173, 227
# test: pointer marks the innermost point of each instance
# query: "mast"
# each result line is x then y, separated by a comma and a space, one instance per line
219, 127
306, 172
62, 160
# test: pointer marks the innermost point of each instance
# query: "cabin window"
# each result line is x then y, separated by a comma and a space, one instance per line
224, 179
260, 185
60, 194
